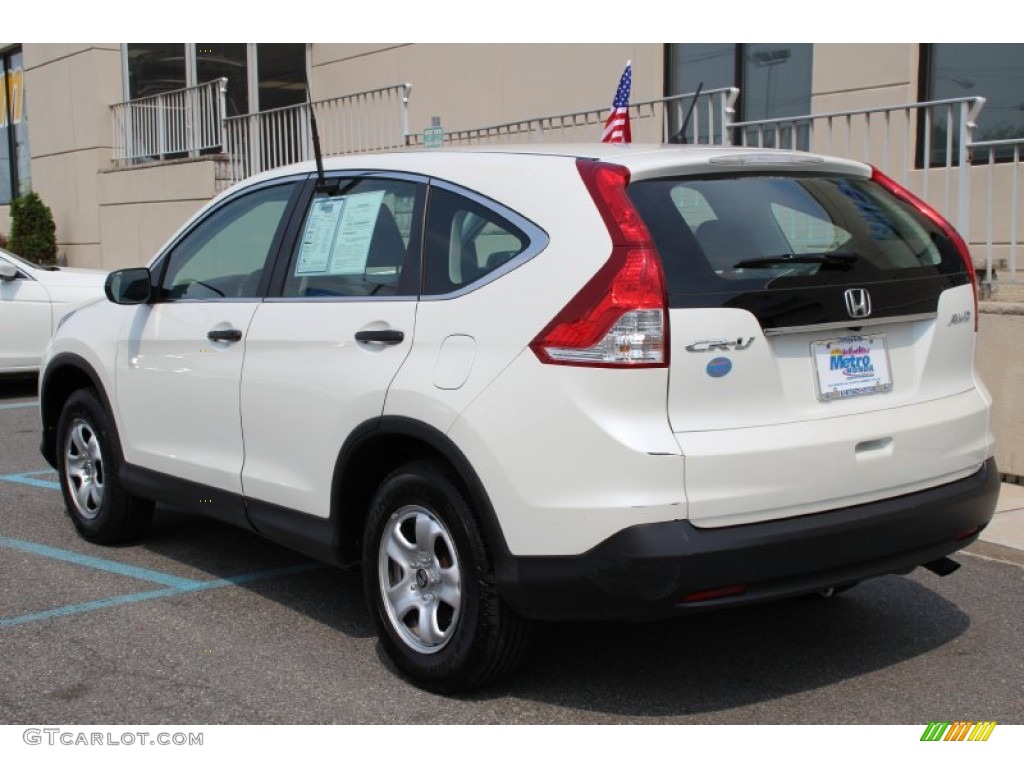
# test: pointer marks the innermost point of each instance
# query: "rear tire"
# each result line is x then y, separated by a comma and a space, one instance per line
89, 462
429, 583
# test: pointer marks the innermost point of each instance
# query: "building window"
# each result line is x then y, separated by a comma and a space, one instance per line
230, 60
957, 70
154, 68
774, 80
15, 179
282, 74
260, 76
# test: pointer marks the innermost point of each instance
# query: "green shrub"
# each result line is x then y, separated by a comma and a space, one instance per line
33, 233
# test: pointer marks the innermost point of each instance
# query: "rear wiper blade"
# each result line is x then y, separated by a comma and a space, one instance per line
830, 259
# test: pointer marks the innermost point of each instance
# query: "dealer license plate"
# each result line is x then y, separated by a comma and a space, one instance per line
851, 366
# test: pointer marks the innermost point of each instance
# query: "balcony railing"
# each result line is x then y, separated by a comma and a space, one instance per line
192, 121
928, 146
174, 124
1003, 212
651, 120
360, 122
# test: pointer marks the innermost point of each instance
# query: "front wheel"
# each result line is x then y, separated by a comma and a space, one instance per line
88, 464
429, 583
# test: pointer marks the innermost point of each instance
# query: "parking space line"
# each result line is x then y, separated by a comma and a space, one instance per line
28, 478
8, 406
111, 566
68, 610
138, 597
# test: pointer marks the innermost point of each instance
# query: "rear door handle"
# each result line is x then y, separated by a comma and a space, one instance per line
389, 336
227, 334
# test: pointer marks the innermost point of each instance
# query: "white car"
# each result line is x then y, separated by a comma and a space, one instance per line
33, 299
569, 382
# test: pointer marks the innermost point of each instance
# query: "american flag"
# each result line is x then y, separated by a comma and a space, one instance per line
616, 127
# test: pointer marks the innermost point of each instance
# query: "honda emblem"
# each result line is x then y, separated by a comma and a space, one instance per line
858, 302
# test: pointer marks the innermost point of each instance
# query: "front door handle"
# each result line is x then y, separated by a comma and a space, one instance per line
228, 334
389, 336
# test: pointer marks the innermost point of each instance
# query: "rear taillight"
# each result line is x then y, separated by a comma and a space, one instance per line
936, 218
619, 319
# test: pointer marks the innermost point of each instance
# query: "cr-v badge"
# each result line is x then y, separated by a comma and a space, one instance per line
719, 345
858, 302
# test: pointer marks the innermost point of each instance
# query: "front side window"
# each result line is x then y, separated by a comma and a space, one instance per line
226, 254
466, 241
360, 243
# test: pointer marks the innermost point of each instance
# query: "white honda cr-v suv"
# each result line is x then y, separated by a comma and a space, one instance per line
566, 382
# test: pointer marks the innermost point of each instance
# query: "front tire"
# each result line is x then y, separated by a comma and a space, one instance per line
429, 583
88, 465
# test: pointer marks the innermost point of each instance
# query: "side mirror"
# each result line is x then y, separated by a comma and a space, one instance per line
129, 286
8, 272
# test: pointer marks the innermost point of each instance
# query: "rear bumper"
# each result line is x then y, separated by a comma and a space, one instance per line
644, 572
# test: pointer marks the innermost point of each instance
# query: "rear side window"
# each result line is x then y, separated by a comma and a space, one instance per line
360, 243
466, 241
757, 233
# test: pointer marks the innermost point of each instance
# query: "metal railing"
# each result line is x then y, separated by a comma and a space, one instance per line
927, 146
179, 123
651, 120
1003, 213
359, 122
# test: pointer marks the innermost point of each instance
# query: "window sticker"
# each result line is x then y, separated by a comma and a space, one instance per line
318, 239
338, 234
352, 241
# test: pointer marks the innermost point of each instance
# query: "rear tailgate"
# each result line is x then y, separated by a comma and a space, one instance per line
822, 342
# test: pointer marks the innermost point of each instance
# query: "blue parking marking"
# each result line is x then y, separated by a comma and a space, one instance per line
175, 585
8, 406
69, 610
29, 478
138, 597
111, 566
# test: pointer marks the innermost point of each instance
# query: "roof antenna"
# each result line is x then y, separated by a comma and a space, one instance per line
680, 137
322, 184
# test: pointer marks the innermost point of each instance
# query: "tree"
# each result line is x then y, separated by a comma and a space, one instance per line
33, 233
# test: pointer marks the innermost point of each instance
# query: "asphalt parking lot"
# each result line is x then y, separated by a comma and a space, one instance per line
201, 623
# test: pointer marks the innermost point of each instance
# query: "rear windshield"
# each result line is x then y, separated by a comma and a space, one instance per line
733, 235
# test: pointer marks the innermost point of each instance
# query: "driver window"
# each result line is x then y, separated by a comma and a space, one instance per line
224, 256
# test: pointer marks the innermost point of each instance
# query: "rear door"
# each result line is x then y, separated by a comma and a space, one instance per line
822, 343
322, 351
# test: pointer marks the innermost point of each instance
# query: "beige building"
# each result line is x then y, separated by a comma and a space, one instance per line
121, 179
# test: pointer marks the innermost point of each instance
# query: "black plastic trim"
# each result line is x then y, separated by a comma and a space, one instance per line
809, 306
386, 426
644, 572
182, 494
48, 440
313, 536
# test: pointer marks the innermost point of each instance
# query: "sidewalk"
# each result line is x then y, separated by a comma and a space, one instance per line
1003, 539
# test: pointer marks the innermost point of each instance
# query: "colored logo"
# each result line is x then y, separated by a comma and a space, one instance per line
959, 730
854, 362
719, 367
